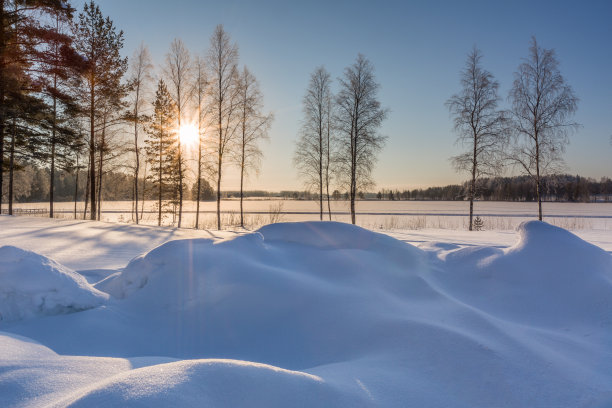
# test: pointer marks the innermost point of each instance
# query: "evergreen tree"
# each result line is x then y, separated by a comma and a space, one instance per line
97, 40
21, 37
161, 146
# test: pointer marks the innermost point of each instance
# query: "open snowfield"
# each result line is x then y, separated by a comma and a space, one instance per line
372, 214
304, 314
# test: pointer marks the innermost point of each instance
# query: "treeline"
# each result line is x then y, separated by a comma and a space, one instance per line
32, 185
519, 188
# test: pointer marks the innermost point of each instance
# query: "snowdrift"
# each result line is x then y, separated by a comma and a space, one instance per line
550, 278
34, 285
329, 314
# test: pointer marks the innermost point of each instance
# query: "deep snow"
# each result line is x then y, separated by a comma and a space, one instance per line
327, 314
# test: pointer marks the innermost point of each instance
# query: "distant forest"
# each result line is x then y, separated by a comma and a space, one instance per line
32, 185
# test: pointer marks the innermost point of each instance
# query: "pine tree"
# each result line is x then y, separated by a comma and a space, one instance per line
160, 147
21, 38
97, 40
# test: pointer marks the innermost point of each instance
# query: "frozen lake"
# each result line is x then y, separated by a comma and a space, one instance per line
387, 215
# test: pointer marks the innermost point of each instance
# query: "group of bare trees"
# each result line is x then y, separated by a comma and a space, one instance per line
68, 98
531, 136
339, 133
225, 105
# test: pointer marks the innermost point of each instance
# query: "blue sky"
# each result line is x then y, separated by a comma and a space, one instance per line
417, 48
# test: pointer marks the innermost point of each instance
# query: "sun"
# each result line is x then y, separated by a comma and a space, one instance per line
188, 134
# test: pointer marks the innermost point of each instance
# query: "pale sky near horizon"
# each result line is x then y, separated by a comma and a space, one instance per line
417, 48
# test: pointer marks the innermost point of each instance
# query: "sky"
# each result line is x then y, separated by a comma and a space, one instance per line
418, 49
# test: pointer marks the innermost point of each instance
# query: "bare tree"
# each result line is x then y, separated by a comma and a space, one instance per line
179, 70
542, 105
223, 107
139, 80
253, 127
312, 152
359, 115
479, 124
200, 89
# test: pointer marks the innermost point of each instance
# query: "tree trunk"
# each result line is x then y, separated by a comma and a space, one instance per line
159, 179
144, 189
327, 163
136, 169
241, 189
100, 168
473, 186
219, 195
87, 189
12, 167
76, 186
92, 152
2, 110
53, 142
180, 164
320, 164
538, 181
199, 188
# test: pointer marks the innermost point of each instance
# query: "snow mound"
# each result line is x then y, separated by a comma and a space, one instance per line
212, 383
550, 278
260, 297
34, 285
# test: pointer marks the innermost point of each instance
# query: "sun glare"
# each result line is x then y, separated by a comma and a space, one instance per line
188, 134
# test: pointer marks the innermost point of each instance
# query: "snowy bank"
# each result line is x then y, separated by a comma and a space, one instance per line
34, 285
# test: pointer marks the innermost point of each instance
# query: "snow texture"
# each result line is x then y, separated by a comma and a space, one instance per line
329, 314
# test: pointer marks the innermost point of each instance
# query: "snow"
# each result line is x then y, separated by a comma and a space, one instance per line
34, 285
315, 314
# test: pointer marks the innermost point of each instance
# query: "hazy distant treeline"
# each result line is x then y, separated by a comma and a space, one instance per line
32, 185
520, 188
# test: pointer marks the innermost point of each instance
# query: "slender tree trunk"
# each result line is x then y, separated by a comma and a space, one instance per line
180, 169
92, 151
87, 186
2, 107
136, 169
320, 163
100, 167
159, 179
538, 181
199, 188
12, 167
53, 142
242, 189
76, 186
144, 189
353, 187
242, 158
327, 161
473, 186
219, 192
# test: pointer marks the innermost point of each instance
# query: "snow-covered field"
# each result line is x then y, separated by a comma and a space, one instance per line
303, 314
384, 215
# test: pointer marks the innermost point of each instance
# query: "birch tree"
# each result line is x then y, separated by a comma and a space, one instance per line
480, 126
200, 90
542, 107
253, 126
223, 104
312, 152
140, 77
179, 70
359, 116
